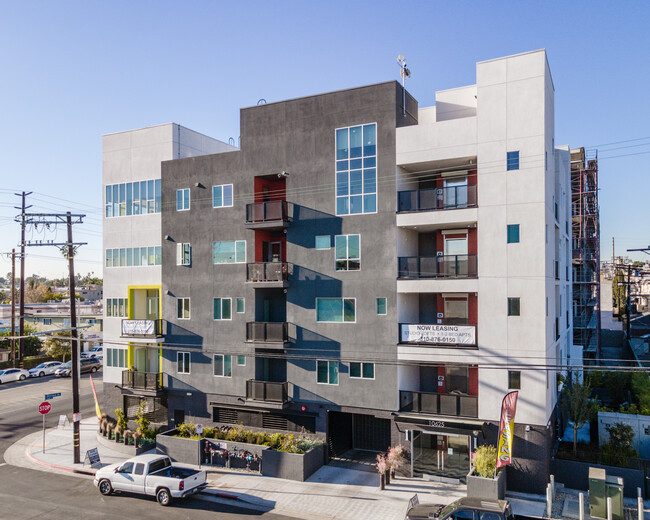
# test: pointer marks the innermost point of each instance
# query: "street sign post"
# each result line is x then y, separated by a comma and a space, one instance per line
199, 431
44, 408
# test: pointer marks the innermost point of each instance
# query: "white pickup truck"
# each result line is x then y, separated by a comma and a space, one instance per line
152, 475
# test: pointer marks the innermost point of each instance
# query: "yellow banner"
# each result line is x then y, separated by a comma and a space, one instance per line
98, 412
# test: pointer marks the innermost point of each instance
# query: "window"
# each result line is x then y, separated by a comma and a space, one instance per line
381, 307
183, 254
222, 365
327, 372
513, 233
514, 307
347, 252
134, 256
513, 161
323, 242
335, 310
241, 361
116, 357
362, 370
127, 467
139, 469
514, 379
183, 362
356, 170
231, 252
47, 321
117, 307
183, 199
222, 309
183, 308
239, 305
222, 196
132, 198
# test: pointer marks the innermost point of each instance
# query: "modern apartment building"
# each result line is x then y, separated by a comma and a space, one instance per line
361, 268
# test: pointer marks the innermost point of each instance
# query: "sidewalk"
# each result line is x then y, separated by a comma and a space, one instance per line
331, 493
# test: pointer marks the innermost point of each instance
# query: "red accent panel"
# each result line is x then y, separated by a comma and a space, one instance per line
262, 236
473, 380
471, 241
472, 309
471, 177
275, 188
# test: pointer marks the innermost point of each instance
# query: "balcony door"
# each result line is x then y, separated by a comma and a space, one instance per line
455, 263
456, 192
456, 311
272, 251
152, 304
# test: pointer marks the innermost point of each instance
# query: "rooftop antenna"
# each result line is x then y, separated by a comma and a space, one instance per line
404, 72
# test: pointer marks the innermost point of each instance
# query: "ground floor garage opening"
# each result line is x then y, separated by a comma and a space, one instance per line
356, 438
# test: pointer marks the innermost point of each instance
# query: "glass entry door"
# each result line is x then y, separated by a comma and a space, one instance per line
440, 455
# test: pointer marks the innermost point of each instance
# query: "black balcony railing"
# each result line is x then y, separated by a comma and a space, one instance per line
453, 333
430, 199
142, 380
271, 211
142, 328
267, 391
450, 266
268, 272
266, 332
455, 405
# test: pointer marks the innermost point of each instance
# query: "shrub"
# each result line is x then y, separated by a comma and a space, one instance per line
121, 418
618, 450
485, 461
187, 430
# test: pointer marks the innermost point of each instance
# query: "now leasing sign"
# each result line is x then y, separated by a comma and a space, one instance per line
451, 334
139, 327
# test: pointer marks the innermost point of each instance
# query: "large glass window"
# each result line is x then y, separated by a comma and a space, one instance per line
183, 362
183, 199
348, 252
231, 252
327, 372
222, 308
362, 370
116, 357
356, 170
335, 310
116, 307
222, 196
133, 198
135, 256
183, 308
222, 365
183, 254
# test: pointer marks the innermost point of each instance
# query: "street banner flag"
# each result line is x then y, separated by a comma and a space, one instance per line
506, 429
97, 410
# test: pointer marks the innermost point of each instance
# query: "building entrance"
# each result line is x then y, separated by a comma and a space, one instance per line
435, 455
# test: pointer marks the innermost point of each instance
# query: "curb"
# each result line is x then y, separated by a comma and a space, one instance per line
46, 464
220, 494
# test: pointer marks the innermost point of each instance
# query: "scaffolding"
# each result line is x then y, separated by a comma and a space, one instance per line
585, 231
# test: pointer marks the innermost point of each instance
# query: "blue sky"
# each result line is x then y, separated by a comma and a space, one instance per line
72, 71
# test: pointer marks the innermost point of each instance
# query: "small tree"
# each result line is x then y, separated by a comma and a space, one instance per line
619, 448
58, 345
143, 421
619, 292
32, 344
580, 408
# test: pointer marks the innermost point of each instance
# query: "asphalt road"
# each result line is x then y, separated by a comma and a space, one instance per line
29, 494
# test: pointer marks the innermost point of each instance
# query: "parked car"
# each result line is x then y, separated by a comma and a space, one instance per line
85, 365
13, 374
151, 475
44, 369
467, 508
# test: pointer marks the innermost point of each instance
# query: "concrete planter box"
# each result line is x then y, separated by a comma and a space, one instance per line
293, 466
131, 451
487, 487
290, 466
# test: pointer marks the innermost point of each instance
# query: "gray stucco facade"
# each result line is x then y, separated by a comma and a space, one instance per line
298, 137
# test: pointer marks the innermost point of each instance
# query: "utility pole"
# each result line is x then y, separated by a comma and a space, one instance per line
74, 344
13, 308
21, 317
68, 248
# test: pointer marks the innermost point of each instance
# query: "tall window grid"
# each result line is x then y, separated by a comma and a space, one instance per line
327, 372
183, 254
183, 308
356, 169
132, 198
134, 256
183, 362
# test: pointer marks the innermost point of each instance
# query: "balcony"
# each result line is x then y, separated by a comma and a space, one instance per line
269, 274
451, 266
272, 215
433, 199
142, 329
452, 405
439, 334
149, 381
267, 391
266, 332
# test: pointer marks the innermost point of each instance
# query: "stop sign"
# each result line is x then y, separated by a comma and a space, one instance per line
44, 407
